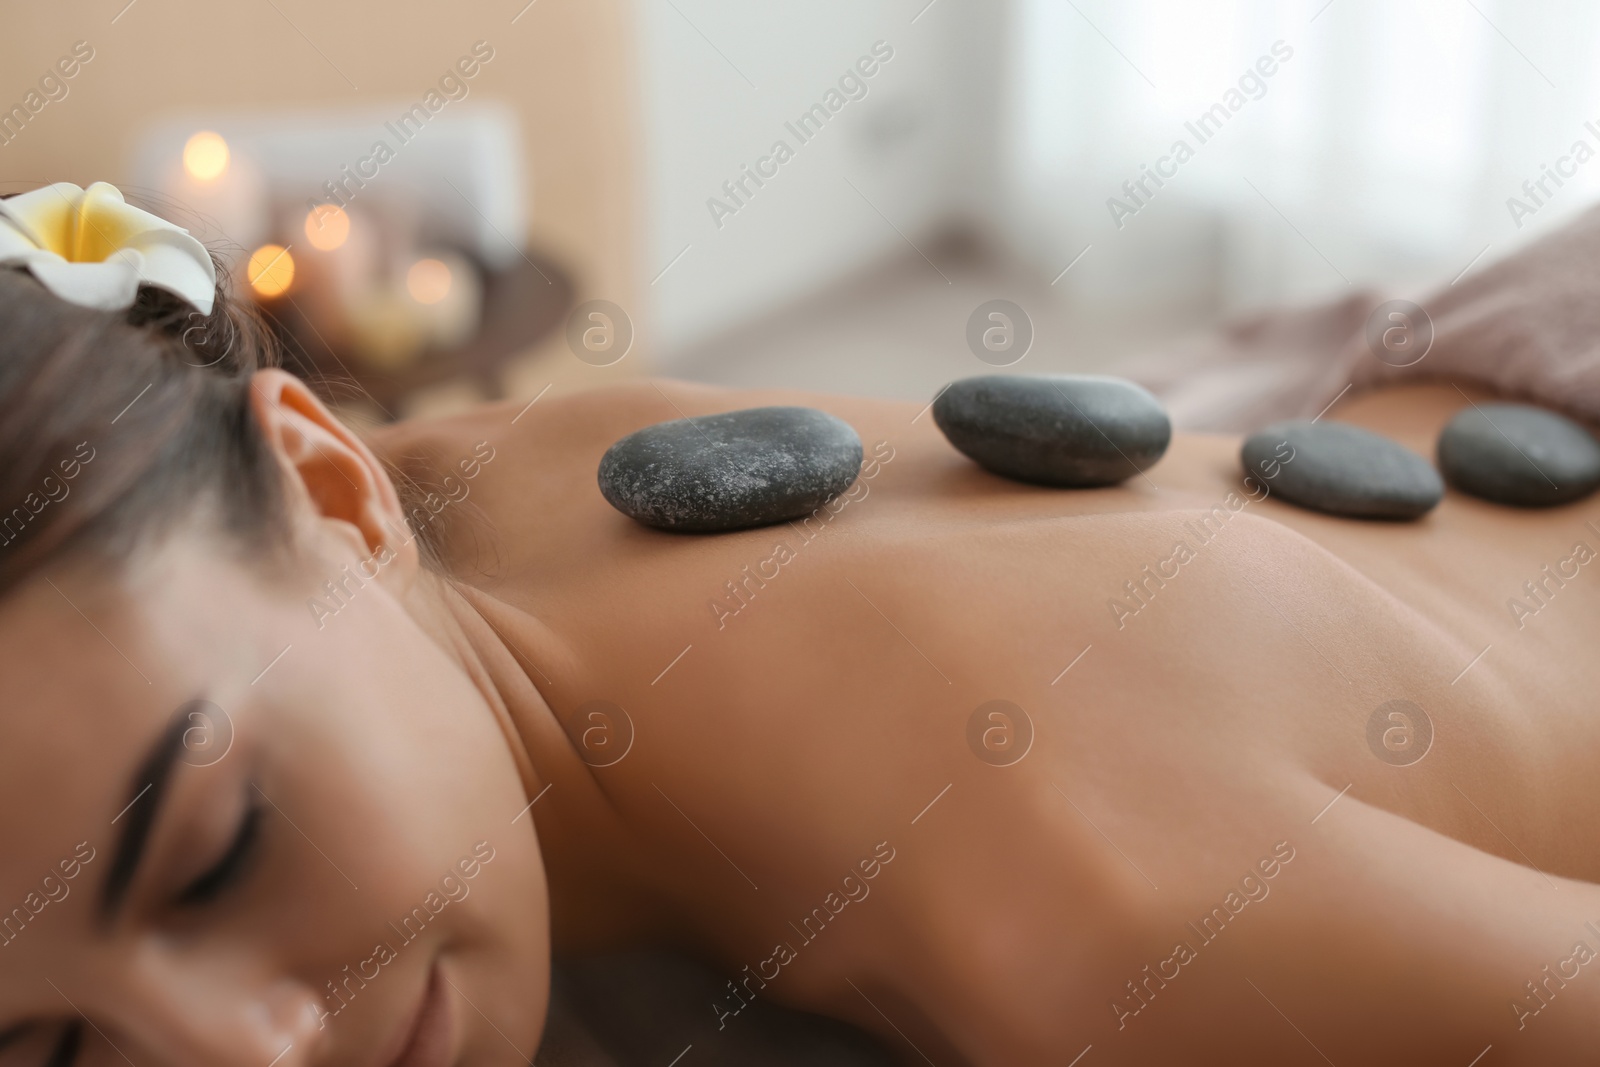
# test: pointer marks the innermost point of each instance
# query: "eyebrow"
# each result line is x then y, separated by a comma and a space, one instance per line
146, 790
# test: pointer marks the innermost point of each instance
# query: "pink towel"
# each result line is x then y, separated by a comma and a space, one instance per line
1527, 326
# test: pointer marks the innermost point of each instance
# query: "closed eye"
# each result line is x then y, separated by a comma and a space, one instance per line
231, 866
66, 1051
207, 887
18, 1043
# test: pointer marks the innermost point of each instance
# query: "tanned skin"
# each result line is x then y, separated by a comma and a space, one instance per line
1384, 908
1268, 786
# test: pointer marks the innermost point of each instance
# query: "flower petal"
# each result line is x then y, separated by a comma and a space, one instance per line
96, 227
108, 286
102, 223
14, 244
44, 214
176, 262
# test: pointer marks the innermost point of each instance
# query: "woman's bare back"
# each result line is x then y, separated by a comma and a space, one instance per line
1170, 768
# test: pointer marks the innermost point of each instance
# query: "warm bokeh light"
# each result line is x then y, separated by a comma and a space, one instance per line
428, 281
271, 270
327, 227
205, 156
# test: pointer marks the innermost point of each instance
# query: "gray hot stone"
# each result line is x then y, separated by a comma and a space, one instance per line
1518, 454
1074, 431
731, 471
1343, 470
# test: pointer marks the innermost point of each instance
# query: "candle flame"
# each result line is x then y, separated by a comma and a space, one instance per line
327, 227
205, 156
271, 270
428, 281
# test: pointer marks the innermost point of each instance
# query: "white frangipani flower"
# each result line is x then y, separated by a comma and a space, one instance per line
91, 247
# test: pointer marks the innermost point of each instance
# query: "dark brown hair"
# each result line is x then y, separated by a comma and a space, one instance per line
117, 426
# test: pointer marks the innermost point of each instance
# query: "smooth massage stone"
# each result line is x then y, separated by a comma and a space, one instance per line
731, 471
1074, 431
1343, 470
1519, 454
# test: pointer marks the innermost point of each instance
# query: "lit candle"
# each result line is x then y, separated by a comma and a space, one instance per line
270, 271
447, 294
216, 187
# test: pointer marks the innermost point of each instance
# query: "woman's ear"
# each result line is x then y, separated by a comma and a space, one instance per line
332, 476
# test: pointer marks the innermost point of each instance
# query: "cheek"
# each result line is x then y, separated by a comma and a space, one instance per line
410, 763
396, 769
506, 948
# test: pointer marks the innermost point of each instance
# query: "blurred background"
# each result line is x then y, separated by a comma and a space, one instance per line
604, 195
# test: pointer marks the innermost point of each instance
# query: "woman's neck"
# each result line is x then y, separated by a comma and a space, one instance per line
597, 899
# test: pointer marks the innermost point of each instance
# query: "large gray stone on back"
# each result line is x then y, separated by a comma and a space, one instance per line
1074, 431
731, 471
1343, 470
1519, 454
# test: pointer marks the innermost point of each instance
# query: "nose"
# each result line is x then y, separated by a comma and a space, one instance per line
189, 1019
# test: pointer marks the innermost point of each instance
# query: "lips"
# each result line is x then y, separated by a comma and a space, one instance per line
429, 1029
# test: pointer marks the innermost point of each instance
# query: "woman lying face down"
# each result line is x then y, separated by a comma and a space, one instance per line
237, 831
299, 769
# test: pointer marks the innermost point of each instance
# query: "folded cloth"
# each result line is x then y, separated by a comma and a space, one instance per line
1527, 326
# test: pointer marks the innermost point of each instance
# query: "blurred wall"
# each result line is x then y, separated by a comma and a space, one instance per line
1359, 143
1385, 151
566, 66
725, 80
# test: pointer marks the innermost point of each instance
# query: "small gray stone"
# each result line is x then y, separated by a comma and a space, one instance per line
1073, 431
1518, 454
1343, 470
731, 471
